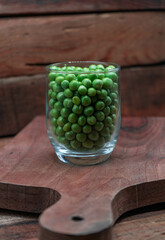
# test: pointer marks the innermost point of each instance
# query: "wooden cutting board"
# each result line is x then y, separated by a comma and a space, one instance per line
83, 202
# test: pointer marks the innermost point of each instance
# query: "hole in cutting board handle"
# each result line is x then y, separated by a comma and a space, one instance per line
77, 218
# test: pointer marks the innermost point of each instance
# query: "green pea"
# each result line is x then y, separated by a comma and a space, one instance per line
68, 93
63, 140
70, 68
110, 67
51, 103
54, 95
53, 121
92, 76
114, 118
88, 111
51, 76
87, 129
58, 106
113, 96
80, 77
112, 128
91, 120
60, 131
97, 84
85, 100
78, 69
99, 105
76, 100
105, 131
77, 109
87, 82
72, 118
98, 126
70, 135
81, 137
60, 96
92, 67
59, 79
91, 92
60, 74
53, 68
61, 121
100, 115
82, 90
54, 129
93, 136
65, 84
85, 69
88, 144
108, 101
100, 142
68, 102
76, 128
67, 127
108, 121
107, 83
100, 75
82, 120
57, 87
106, 111
112, 75
75, 144
100, 66
50, 92
70, 77
51, 84
54, 113
73, 85
113, 109
65, 112
115, 86
102, 94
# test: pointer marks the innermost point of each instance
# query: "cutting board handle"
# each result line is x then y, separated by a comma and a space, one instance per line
69, 219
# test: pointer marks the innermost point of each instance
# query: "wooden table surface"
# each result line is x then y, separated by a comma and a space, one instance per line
146, 223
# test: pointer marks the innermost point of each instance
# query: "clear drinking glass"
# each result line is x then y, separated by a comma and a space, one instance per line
83, 110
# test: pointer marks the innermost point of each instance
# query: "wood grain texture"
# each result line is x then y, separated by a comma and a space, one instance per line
22, 98
132, 178
24, 226
53, 6
126, 38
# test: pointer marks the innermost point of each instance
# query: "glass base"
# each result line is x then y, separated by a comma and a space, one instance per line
86, 161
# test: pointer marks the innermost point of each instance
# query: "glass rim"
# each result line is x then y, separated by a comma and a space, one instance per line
116, 69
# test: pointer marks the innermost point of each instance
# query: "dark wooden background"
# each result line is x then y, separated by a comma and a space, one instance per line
35, 33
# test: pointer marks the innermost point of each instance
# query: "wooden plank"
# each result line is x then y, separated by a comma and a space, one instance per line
52, 6
30, 43
142, 164
142, 91
22, 98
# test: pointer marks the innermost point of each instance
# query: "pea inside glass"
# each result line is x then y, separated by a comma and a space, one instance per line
83, 110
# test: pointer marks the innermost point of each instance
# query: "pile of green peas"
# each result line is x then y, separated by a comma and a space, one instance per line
83, 105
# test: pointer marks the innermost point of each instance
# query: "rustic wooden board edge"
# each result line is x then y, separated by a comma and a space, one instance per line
32, 199
72, 6
124, 201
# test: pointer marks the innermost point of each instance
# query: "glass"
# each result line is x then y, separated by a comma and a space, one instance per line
83, 110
